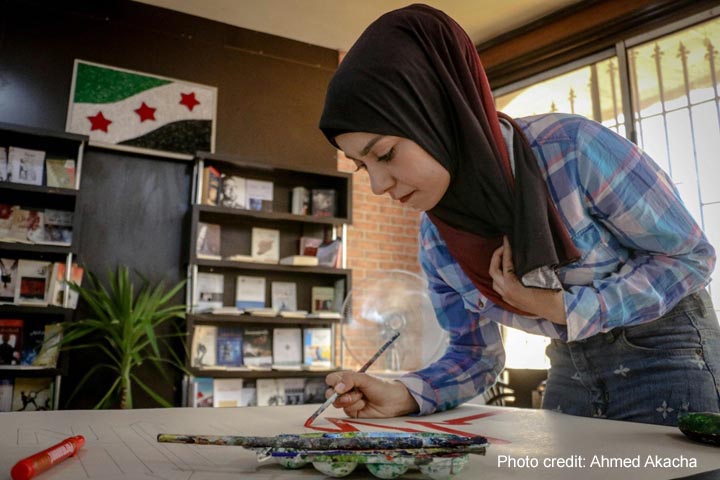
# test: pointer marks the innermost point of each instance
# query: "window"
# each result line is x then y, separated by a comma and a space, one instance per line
672, 83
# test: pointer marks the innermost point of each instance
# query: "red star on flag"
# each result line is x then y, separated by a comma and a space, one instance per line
145, 112
189, 100
99, 122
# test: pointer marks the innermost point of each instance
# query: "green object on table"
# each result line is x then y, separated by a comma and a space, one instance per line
701, 426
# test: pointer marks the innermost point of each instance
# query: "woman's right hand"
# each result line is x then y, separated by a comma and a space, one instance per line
364, 396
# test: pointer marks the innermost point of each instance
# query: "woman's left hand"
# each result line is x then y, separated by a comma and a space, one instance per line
548, 304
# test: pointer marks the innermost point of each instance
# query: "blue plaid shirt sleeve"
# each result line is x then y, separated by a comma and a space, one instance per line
475, 355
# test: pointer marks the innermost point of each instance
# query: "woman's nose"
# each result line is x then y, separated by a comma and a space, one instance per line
380, 180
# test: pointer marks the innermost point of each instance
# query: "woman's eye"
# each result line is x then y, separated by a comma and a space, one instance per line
388, 156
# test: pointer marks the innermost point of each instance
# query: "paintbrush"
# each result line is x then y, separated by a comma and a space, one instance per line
367, 365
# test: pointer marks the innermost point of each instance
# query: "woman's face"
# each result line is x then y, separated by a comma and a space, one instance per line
397, 166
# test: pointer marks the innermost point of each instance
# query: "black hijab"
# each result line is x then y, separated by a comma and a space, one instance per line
414, 73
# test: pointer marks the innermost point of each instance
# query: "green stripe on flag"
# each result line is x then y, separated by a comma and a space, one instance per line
103, 85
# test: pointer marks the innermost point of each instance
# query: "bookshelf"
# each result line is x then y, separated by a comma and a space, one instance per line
235, 237
38, 196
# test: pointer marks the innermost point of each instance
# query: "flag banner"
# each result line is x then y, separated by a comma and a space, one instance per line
140, 112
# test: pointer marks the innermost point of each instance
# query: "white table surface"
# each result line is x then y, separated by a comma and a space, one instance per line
121, 444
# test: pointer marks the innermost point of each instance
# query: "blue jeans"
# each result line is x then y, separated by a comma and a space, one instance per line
647, 373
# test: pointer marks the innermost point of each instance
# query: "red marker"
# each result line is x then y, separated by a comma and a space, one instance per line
28, 467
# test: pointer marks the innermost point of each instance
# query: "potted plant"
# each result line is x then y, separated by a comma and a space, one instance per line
124, 324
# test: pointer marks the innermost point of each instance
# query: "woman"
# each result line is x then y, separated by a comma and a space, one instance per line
551, 224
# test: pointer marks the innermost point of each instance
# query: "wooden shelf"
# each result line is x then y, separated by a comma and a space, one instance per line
268, 267
254, 374
36, 247
41, 189
31, 309
212, 319
273, 216
24, 371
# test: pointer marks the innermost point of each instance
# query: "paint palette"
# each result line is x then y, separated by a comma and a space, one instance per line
384, 455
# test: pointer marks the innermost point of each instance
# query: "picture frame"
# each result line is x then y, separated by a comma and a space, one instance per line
140, 112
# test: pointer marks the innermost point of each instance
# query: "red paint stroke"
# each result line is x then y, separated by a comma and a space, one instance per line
341, 423
460, 421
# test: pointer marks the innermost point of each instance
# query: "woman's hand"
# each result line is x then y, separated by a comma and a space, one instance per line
548, 304
365, 396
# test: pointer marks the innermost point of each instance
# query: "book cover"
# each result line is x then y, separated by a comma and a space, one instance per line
328, 253
309, 246
10, 341
33, 334
284, 296
323, 202
60, 172
20, 225
57, 228
265, 244
32, 394
257, 348
315, 390
57, 286
300, 201
259, 195
299, 260
270, 392
32, 282
229, 347
233, 192
26, 166
249, 292
294, 390
6, 218
227, 392
249, 395
208, 241
202, 395
6, 392
204, 341
210, 186
210, 288
287, 347
50, 349
322, 299
317, 347
8, 274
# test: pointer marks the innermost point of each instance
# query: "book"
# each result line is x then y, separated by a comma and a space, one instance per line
241, 258
270, 392
203, 350
315, 390
32, 282
233, 192
300, 201
60, 172
284, 296
19, 224
249, 395
293, 314
26, 166
202, 392
249, 292
32, 394
211, 183
207, 245
33, 333
262, 312
210, 288
329, 253
227, 311
8, 274
287, 348
10, 341
325, 315
323, 203
259, 195
317, 347
227, 392
229, 347
294, 389
56, 228
50, 349
58, 282
339, 297
3, 168
322, 299
265, 244
6, 392
257, 348
299, 260
309, 246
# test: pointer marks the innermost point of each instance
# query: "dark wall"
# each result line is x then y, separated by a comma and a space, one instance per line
134, 209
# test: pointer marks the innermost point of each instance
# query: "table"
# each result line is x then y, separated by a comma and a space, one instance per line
525, 443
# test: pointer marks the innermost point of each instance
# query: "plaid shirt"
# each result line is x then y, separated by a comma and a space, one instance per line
642, 252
